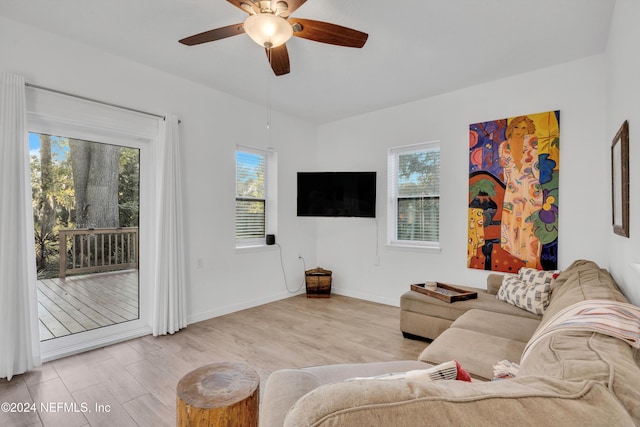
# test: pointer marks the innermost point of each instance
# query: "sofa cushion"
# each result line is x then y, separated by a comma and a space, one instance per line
479, 353
575, 355
494, 281
498, 324
284, 387
583, 280
516, 402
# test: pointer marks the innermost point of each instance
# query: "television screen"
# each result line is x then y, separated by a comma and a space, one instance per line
337, 194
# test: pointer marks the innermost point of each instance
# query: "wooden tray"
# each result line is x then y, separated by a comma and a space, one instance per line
444, 292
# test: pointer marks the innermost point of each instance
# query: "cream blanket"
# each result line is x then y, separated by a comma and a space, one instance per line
616, 319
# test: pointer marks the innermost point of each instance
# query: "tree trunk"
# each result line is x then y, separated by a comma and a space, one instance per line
80, 152
95, 181
46, 208
102, 186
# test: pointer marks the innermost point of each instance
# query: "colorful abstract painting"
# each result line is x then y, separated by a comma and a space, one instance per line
514, 165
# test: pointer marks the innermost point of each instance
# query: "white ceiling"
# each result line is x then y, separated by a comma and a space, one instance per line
416, 48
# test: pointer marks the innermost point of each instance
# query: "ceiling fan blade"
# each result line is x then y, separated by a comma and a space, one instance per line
245, 5
325, 32
292, 6
279, 59
213, 35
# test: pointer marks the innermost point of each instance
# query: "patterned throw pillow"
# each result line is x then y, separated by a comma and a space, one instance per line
537, 277
529, 290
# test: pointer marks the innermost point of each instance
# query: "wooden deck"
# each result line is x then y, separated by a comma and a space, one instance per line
81, 303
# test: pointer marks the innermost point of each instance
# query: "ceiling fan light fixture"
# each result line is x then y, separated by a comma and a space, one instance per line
268, 30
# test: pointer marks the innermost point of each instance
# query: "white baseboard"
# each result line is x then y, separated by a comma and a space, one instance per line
367, 296
221, 311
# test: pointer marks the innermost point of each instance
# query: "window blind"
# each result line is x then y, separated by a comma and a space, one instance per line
419, 195
415, 193
250, 195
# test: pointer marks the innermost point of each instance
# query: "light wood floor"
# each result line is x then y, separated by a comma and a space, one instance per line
136, 380
81, 303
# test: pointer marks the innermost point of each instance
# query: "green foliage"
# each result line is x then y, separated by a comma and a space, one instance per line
47, 249
61, 192
129, 187
250, 181
61, 197
482, 186
419, 173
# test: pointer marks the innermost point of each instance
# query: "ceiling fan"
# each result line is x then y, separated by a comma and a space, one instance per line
270, 25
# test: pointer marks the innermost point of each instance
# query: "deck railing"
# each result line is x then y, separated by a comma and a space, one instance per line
92, 250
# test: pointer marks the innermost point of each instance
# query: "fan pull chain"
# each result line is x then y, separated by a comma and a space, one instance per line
269, 145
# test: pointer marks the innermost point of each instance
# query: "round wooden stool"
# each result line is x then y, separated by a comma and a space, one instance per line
221, 394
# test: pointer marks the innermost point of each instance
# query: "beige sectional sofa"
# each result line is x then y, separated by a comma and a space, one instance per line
422, 316
570, 376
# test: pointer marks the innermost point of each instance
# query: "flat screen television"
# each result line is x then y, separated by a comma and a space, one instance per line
337, 194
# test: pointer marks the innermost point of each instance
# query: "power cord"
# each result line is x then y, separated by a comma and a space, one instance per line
284, 275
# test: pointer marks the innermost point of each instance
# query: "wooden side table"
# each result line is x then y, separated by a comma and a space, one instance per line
318, 282
220, 394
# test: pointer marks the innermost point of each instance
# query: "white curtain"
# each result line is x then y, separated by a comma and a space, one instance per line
169, 308
19, 333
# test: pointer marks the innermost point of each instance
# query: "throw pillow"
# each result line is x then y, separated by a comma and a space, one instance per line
445, 371
529, 290
537, 277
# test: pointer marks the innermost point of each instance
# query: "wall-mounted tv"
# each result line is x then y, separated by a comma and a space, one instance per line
337, 194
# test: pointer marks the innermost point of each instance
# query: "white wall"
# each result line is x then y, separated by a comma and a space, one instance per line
212, 124
623, 84
348, 246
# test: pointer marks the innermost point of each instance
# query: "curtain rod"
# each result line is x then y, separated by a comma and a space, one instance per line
84, 98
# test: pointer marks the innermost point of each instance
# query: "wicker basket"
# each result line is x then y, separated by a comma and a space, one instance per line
318, 281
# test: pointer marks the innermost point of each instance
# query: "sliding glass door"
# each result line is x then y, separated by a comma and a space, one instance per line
86, 202
91, 174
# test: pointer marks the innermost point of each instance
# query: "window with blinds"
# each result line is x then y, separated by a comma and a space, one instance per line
252, 195
414, 195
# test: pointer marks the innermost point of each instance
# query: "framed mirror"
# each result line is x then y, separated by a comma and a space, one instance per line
620, 180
